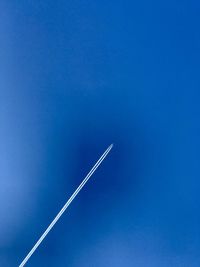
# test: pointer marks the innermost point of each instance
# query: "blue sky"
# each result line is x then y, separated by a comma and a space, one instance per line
77, 76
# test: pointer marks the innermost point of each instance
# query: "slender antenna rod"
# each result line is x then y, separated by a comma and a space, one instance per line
69, 201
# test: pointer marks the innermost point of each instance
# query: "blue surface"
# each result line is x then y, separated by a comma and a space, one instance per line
77, 76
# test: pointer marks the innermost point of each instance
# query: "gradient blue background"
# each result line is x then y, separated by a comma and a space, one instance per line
77, 76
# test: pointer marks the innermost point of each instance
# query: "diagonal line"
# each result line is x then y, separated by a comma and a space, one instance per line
69, 201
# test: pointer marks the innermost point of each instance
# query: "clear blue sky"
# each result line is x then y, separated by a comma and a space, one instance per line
75, 77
